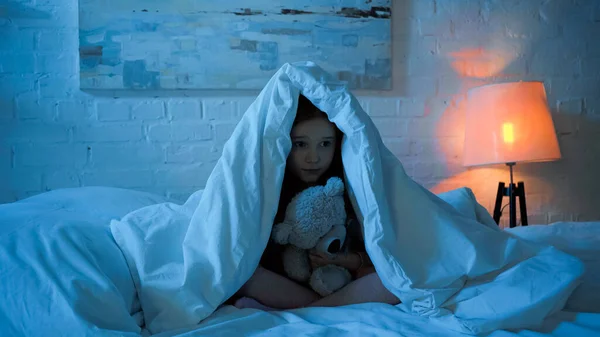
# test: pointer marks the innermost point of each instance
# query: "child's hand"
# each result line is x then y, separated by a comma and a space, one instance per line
350, 261
321, 259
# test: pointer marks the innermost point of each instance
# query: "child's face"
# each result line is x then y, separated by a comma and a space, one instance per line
313, 148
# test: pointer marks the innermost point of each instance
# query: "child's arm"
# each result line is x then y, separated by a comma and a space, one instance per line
353, 261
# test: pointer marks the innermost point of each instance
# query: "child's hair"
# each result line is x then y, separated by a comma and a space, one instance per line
292, 185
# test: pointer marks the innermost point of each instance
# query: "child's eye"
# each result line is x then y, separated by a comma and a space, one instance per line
326, 143
299, 144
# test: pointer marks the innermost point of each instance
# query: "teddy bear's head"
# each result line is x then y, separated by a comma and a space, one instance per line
311, 215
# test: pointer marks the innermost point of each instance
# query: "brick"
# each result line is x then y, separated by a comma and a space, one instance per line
592, 106
407, 29
534, 30
416, 87
57, 63
559, 217
57, 39
592, 49
391, 127
113, 111
182, 110
118, 178
53, 86
53, 16
75, 111
471, 28
429, 170
557, 57
25, 179
364, 103
400, 147
429, 65
425, 45
34, 132
5, 157
125, 155
595, 13
41, 110
179, 132
421, 9
421, 128
437, 26
192, 153
584, 29
424, 147
458, 8
184, 176
383, 107
570, 106
13, 85
148, 110
20, 195
6, 195
411, 108
517, 67
450, 85
58, 155
218, 109
7, 109
569, 87
223, 132
107, 133
532, 218
17, 63
61, 179
243, 104
590, 67
19, 40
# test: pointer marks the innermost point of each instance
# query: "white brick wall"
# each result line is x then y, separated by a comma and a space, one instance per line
52, 135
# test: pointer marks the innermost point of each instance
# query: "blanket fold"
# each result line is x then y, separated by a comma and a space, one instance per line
188, 259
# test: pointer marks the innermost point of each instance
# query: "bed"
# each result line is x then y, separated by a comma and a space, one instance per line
63, 275
113, 262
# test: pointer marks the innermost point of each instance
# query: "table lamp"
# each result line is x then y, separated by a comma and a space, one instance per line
509, 123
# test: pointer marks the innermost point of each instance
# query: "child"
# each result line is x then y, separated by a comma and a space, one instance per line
315, 157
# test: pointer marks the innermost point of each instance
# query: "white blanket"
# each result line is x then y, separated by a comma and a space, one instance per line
471, 278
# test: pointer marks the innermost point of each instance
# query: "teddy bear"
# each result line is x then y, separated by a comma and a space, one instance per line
314, 220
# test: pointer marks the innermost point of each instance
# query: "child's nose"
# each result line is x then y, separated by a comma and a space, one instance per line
312, 156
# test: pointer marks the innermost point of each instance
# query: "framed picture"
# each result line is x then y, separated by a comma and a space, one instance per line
233, 44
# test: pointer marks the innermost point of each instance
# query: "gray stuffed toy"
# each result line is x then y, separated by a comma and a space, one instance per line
314, 219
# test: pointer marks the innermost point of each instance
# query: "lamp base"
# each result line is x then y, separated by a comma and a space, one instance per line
512, 191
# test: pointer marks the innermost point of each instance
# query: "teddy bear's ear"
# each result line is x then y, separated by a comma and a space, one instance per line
281, 233
334, 186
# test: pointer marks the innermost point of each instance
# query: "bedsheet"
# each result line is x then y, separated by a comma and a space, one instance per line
377, 320
61, 274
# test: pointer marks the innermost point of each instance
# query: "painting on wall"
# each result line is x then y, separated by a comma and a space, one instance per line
233, 44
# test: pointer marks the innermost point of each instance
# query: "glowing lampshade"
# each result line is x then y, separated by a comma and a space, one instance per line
509, 123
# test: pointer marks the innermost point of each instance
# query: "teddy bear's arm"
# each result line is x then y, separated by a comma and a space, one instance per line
281, 233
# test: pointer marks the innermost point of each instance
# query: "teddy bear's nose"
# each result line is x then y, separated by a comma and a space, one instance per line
334, 247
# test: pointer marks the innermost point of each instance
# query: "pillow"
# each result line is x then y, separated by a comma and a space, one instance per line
61, 269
